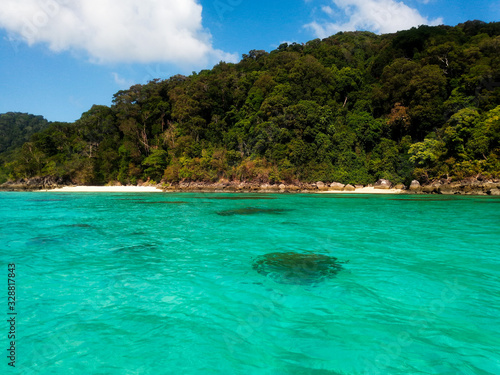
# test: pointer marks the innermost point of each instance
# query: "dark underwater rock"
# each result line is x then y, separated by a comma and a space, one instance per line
297, 268
237, 198
162, 202
251, 211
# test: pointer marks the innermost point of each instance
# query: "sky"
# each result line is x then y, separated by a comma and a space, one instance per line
60, 57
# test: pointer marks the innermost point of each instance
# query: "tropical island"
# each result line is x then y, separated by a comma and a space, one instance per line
417, 109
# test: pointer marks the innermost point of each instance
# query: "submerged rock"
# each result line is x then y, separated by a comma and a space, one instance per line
297, 268
78, 225
251, 211
238, 198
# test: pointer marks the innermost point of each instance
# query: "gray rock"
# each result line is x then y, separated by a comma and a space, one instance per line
495, 191
400, 187
382, 184
490, 185
321, 186
430, 189
450, 188
349, 188
415, 185
336, 186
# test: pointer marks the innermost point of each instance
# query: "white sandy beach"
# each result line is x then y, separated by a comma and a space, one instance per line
107, 189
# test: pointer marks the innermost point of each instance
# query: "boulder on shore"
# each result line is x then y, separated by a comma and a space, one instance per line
349, 188
430, 189
321, 186
382, 184
35, 183
415, 185
495, 191
336, 186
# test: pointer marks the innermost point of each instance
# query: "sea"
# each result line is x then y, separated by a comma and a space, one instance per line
126, 283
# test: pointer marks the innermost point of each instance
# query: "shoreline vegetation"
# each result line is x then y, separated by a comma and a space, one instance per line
419, 107
464, 187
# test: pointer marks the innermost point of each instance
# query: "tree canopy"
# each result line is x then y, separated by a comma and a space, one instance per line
355, 107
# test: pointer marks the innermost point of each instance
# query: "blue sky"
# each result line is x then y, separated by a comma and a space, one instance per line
59, 57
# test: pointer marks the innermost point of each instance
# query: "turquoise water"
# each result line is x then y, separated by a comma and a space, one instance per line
164, 284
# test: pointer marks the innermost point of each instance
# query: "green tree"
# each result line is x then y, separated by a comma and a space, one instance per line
155, 164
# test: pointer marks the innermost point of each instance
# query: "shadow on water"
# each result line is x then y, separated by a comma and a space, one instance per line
164, 202
42, 241
443, 199
251, 211
338, 196
490, 200
297, 268
141, 248
236, 198
298, 369
130, 199
45, 200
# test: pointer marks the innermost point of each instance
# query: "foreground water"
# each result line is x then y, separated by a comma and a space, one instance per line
164, 284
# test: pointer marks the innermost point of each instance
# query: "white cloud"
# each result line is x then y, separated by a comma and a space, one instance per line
123, 83
109, 31
328, 10
380, 16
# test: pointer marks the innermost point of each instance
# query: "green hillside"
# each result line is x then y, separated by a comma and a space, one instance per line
355, 107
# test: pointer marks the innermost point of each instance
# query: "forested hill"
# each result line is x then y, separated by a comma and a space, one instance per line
17, 128
355, 107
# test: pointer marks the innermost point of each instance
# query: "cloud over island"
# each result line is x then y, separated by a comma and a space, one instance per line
379, 16
115, 31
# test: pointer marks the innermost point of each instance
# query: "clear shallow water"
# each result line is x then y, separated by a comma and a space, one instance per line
164, 284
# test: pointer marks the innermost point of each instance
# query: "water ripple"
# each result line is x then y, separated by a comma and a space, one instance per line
133, 286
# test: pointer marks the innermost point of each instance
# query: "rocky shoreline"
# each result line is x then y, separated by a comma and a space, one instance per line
473, 186
35, 183
464, 187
